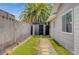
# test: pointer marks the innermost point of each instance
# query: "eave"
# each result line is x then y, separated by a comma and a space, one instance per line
51, 18
54, 12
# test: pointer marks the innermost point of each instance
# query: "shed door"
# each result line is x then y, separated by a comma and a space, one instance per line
40, 29
47, 30
31, 30
36, 29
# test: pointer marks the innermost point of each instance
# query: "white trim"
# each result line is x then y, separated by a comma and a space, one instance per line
72, 20
67, 11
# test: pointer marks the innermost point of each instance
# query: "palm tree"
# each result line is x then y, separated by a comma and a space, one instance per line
36, 12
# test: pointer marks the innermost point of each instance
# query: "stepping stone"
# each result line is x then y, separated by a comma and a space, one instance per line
45, 53
44, 46
44, 49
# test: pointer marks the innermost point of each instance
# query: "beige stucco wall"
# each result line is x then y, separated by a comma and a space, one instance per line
12, 30
22, 30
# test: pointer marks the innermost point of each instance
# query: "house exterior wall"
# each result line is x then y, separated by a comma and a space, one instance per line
65, 39
11, 30
76, 30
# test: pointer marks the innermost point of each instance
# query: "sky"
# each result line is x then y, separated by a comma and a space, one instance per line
13, 8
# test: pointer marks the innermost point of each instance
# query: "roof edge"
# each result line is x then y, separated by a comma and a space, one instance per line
55, 10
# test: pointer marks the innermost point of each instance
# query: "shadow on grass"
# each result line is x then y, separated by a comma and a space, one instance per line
59, 49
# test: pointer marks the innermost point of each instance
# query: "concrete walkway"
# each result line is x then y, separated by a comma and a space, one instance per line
45, 47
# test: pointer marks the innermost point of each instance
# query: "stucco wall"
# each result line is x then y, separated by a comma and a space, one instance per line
65, 39
22, 30
12, 30
6, 29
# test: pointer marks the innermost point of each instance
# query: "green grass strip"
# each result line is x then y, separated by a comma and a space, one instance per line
28, 48
59, 49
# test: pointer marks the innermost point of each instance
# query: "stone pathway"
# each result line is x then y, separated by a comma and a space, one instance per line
45, 47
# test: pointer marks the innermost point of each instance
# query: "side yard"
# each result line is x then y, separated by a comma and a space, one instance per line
31, 47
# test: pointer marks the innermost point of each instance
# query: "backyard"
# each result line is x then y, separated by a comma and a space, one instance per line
31, 47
